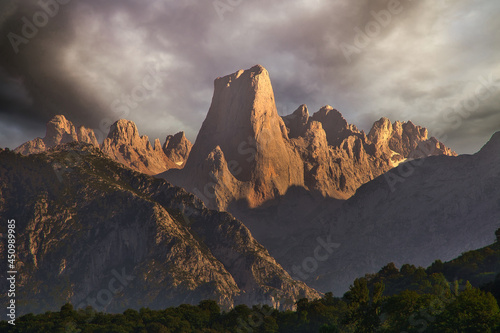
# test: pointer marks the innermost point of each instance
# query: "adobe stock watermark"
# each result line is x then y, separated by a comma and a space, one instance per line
364, 37
105, 296
310, 264
223, 6
257, 317
424, 317
31, 27
71, 160
486, 89
141, 92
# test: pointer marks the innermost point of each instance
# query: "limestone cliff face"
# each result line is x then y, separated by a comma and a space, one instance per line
248, 142
82, 219
177, 148
86, 135
245, 153
123, 144
336, 127
59, 131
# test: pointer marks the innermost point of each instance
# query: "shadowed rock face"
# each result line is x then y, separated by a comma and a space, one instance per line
123, 144
246, 153
420, 211
296, 122
177, 148
433, 208
82, 219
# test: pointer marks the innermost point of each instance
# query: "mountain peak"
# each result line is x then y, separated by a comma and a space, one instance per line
59, 130
177, 148
125, 145
492, 147
245, 100
255, 139
336, 127
297, 122
123, 130
381, 131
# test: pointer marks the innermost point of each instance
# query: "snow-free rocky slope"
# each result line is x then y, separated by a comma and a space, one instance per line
123, 144
428, 209
247, 155
82, 219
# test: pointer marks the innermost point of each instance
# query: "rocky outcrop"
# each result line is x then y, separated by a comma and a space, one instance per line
336, 127
430, 147
123, 144
177, 148
87, 135
296, 122
405, 140
92, 232
247, 142
34, 146
59, 131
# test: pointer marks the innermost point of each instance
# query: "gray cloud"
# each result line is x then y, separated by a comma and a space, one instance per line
93, 54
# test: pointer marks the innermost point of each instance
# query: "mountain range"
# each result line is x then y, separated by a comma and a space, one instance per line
123, 144
329, 202
246, 154
92, 232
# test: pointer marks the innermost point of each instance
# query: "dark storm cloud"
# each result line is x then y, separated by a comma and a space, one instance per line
93, 55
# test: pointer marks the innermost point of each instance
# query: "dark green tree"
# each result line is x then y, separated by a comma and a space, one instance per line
472, 311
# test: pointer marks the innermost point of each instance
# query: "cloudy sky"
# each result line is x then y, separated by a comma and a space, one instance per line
434, 62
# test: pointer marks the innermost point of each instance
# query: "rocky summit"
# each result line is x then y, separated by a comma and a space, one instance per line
247, 155
91, 232
177, 148
242, 146
59, 131
123, 144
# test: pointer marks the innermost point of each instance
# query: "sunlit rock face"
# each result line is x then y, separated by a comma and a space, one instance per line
245, 153
58, 131
123, 144
177, 148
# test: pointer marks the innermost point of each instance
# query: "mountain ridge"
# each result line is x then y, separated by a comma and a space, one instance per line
123, 143
83, 218
261, 155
